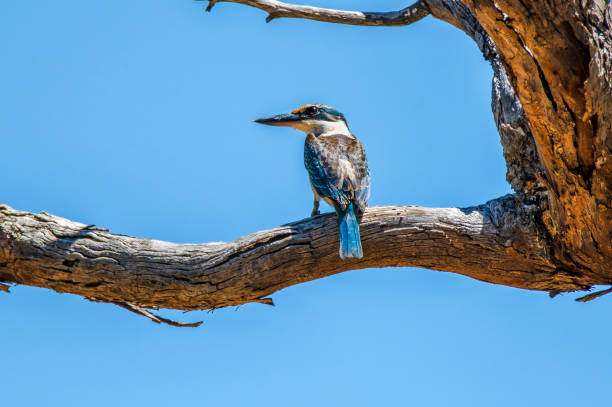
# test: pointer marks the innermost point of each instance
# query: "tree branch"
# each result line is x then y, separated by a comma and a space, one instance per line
155, 318
591, 297
496, 242
277, 9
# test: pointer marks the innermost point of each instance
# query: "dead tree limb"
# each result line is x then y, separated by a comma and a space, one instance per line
492, 242
277, 9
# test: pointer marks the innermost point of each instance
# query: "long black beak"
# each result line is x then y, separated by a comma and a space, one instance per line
279, 120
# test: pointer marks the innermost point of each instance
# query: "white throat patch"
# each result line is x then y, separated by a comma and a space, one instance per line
323, 127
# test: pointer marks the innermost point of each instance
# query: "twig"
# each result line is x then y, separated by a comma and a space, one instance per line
155, 318
277, 9
5, 288
267, 301
592, 296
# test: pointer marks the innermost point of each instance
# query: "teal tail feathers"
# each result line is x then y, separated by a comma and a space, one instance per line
350, 242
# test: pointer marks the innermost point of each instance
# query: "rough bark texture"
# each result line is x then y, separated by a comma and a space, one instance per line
558, 56
552, 102
494, 242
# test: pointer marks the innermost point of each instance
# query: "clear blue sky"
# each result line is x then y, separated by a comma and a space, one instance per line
137, 116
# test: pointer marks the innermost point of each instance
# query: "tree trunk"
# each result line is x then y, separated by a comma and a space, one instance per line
552, 102
559, 57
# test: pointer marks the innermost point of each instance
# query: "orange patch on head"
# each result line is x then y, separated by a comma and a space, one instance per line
301, 109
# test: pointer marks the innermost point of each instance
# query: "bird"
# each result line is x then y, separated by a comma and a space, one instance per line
337, 168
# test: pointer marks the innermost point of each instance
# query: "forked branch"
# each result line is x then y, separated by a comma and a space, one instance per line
277, 9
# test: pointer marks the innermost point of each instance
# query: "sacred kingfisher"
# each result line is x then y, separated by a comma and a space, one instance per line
336, 165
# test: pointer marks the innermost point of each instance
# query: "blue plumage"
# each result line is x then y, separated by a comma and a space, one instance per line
337, 168
350, 241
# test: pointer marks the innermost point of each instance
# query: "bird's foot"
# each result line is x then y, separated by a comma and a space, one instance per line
315, 212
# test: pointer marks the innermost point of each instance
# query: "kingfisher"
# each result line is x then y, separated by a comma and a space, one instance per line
337, 168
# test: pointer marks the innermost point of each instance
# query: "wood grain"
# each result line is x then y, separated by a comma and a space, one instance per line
491, 242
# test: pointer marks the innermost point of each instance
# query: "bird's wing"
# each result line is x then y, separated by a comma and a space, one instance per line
361, 180
330, 162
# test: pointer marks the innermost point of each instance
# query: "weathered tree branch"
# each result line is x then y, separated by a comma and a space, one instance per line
494, 242
592, 296
277, 9
552, 103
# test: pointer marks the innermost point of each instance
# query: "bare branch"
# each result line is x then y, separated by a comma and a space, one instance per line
155, 318
277, 9
495, 242
594, 295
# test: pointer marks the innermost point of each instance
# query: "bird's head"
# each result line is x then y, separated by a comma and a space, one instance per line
312, 118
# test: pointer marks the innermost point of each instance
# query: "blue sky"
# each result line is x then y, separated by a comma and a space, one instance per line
137, 116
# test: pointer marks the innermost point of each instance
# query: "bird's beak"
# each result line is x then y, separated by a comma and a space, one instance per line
287, 119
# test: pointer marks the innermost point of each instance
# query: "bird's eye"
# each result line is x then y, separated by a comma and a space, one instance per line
312, 111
